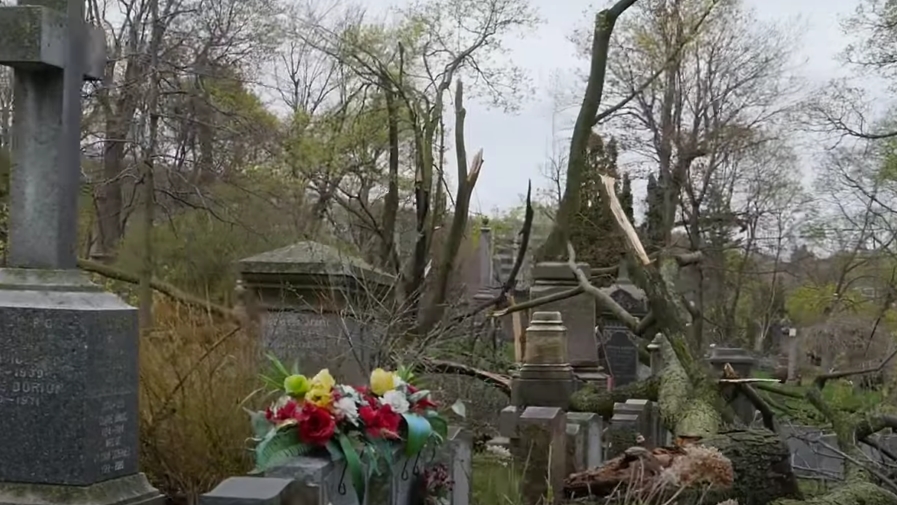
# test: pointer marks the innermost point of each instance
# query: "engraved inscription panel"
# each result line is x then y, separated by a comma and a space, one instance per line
68, 394
620, 357
321, 341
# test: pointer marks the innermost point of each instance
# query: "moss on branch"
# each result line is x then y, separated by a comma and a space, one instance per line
601, 402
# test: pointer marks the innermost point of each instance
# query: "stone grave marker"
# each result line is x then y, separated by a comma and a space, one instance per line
68, 350
546, 378
258, 491
542, 452
317, 300
645, 409
743, 364
324, 482
578, 314
587, 436
460, 451
811, 455
619, 354
624, 428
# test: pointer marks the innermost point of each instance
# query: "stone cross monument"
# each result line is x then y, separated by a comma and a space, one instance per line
68, 350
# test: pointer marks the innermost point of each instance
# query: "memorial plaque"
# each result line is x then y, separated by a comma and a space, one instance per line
73, 373
319, 341
620, 357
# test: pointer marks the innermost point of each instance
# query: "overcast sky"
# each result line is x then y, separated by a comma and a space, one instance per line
516, 145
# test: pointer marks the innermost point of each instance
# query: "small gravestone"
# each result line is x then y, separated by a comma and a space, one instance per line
646, 413
459, 447
627, 423
743, 364
257, 491
587, 436
619, 354
542, 453
319, 307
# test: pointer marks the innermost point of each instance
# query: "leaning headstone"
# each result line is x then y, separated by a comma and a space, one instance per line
317, 300
542, 453
743, 364
578, 313
546, 379
258, 491
68, 350
619, 356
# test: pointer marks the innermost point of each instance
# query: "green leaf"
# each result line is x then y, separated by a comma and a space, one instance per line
333, 448
353, 464
278, 446
419, 431
260, 424
459, 408
278, 365
439, 425
271, 383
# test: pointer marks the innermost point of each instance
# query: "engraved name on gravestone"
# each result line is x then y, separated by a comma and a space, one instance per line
70, 372
321, 341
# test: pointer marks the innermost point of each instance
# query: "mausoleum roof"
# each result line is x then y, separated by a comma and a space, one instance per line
311, 258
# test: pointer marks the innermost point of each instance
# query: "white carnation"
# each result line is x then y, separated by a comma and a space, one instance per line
347, 407
397, 401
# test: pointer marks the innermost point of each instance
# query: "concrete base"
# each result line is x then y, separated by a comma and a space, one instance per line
130, 490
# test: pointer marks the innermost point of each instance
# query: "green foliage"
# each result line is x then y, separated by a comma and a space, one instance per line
806, 304
593, 232
278, 446
496, 480
652, 227
197, 249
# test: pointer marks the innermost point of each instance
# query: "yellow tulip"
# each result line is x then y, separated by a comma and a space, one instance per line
320, 397
323, 380
382, 381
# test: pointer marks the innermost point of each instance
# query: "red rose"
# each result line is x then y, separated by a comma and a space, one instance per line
316, 425
424, 404
286, 411
389, 422
382, 422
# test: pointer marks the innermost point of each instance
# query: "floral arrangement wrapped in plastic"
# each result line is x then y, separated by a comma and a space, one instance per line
365, 425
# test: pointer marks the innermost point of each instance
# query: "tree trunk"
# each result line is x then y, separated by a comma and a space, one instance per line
760, 459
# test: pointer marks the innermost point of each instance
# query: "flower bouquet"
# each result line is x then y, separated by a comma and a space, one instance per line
365, 425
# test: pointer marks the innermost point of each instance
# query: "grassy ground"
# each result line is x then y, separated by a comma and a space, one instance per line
495, 481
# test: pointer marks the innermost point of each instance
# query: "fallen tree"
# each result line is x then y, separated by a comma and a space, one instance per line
692, 406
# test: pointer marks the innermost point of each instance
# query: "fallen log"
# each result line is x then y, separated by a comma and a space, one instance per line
750, 466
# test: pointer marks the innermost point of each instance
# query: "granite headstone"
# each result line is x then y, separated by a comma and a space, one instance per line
320, 307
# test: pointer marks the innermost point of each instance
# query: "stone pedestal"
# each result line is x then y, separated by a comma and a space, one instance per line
546, 379
743, 364
68, 392
578, 314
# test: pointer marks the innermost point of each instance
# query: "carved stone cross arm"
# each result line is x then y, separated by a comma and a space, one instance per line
34, 37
